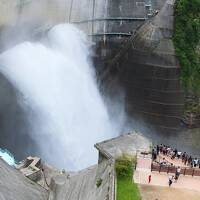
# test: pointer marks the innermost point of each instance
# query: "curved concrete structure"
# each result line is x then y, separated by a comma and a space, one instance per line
151, 74
149, 71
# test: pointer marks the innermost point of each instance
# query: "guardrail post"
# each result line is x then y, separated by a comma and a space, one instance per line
193, 172
184, 171
160, 169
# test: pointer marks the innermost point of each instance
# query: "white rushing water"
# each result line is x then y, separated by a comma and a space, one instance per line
7, 157
66, 112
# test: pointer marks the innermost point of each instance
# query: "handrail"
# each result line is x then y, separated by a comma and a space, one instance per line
111, 34
111, 19
172, 169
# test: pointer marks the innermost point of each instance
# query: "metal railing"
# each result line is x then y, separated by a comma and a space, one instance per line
172, 169
112, 34
111, 19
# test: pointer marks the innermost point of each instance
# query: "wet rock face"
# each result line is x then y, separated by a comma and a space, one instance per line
13, 122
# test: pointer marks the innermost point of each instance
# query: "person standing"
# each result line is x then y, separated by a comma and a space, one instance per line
177, 174
195, 162
190, 160
175, 152
179, 154
149, 179
186, 159
170, 180
161, 148
157, 149
154, 155
183, 157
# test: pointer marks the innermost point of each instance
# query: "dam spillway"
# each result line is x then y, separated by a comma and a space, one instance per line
152, 90
108, 23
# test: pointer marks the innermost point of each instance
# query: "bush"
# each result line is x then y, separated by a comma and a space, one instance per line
124, 166
126, 188
186, 40
98, 182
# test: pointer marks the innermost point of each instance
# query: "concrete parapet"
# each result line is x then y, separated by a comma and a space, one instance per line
56, 186
31, 168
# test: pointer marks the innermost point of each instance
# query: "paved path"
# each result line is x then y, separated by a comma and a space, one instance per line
186, 188
184, 182
165, 193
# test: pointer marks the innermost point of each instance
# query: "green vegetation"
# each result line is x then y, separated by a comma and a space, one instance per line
187, 40
98, 182
126, 189
187, 44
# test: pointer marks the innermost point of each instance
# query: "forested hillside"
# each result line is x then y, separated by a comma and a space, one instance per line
187, 45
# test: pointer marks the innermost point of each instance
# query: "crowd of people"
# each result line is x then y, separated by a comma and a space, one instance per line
165, 150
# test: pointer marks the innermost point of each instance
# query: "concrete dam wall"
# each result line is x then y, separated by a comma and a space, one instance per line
147, 68
103, 20
150, 77
155, 85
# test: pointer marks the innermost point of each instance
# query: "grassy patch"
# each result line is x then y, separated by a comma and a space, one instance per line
126, 189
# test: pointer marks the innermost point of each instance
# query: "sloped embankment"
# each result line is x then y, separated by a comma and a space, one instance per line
14, 186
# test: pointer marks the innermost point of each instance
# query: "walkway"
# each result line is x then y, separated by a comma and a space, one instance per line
187, 187
165, 193
184, 182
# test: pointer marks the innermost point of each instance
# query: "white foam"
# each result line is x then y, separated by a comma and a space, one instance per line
7, 157
66, 112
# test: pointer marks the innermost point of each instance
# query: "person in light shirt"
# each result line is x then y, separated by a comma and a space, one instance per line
170, 181
195, 162
179, 154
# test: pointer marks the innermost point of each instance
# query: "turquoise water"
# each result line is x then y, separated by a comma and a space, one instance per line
7, 157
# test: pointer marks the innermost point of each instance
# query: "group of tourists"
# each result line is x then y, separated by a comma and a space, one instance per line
187, 159
164, 151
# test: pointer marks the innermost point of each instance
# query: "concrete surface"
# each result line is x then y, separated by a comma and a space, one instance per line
165, 193
82, 185
127, 144
184, 182
14, 186
143, 170
149, 72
